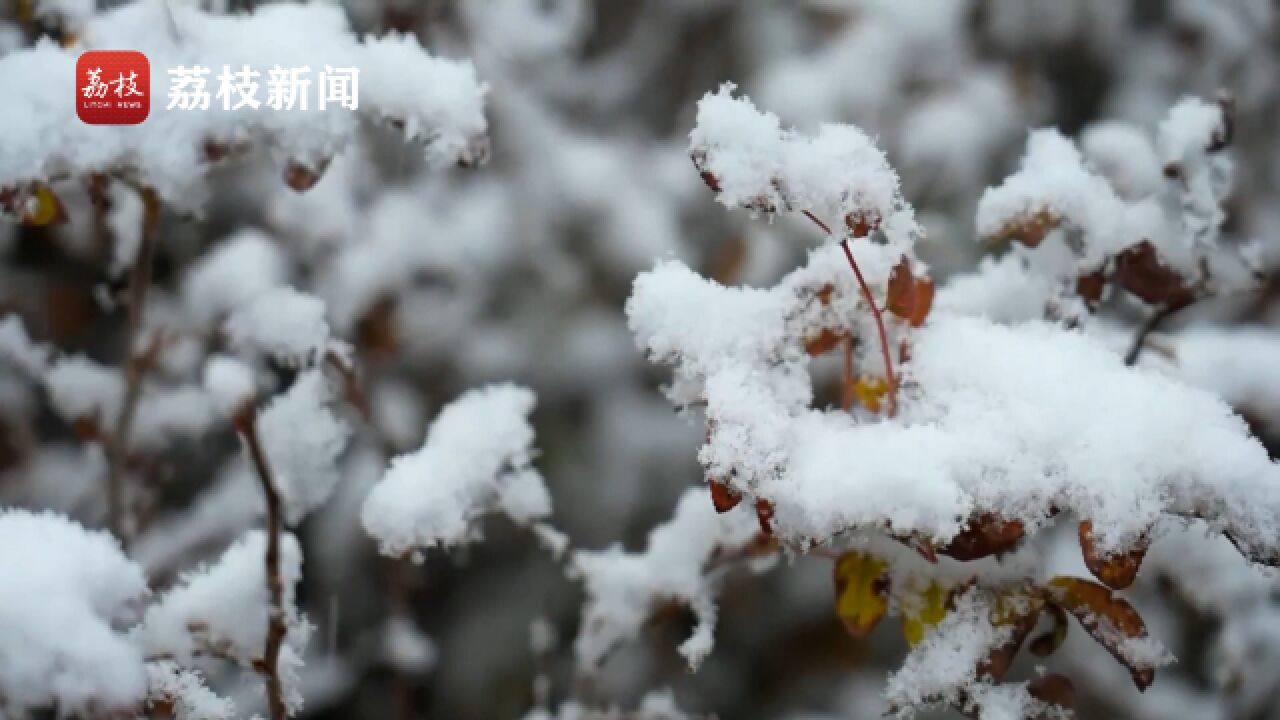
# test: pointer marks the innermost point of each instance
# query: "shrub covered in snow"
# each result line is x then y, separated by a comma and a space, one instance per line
830, 359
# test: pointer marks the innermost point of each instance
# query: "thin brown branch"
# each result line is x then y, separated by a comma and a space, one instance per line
1150, 325
875, 311
136, 366
247, 424
398, 599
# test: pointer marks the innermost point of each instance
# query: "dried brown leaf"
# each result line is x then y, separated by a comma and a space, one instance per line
1117, 571
1140, 271
1055, 690
1109, 619
909, 297
723, 497
1029, 229
986, 534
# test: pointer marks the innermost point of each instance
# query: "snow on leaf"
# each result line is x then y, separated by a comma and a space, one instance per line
222, 609
622, 588
303, 436
68, 590
182, 694
281, 322
1117, 570
439, 102
943, 666
750, 161
928, 608
1114, 623
477, 459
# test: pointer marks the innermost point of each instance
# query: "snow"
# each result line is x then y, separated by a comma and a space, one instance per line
68, 589
438, 101
447, 115
303, 438
125, 219
72, 12
1183, 141
281, 322
837, 173
187, 693
231, 275
476, 459
988, 421
18, 349
623, 587
1121, 198
181, 411
1053, 178
1188, 130
230, 384
80, 388
222, 610
1125, 155
945, 662
1003, 290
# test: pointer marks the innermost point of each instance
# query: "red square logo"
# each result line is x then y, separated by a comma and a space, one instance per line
113, 87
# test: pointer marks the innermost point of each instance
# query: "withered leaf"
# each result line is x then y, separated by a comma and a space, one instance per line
825, 340
909, 297
1109, 619
985, 535
929, 608
302, 176
861, 224
1053, 689
707, 177
1140, 271
1090, 286
1029, 229
919, 543
1018, 609
764, 514
862, 591
376, 328
1115, 571
723, 497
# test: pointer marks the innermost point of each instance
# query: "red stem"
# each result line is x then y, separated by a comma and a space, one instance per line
875, 311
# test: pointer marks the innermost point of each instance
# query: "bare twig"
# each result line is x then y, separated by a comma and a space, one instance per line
875, 311
1148, 326
398, 598
135, 367
247, 425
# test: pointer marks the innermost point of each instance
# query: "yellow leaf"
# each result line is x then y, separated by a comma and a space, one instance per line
870, 391
42, 207
862, 591
929, 608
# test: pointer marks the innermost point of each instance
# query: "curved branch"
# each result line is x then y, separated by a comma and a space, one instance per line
875, 311
276, 628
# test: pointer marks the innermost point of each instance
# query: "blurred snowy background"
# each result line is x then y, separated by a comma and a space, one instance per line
517, 270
